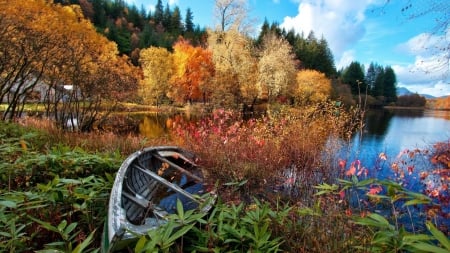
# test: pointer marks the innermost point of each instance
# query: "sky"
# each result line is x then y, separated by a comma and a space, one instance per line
366, 31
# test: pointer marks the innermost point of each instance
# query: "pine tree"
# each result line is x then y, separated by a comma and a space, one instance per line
265, 29
188, 23
159, 12
175, 21
99, 14
354, 76
378, 88
167, 16
390, 81
324, 59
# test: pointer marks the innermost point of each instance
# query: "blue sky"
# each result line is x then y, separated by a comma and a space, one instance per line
358, 30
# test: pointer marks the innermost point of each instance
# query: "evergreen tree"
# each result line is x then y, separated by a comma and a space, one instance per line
159, 12
135, 17
370, 77
175, 21
291, 37
390, 82
374, 77
143, 12
378, 88
324, 59
100, 19
167, 16
188, 23
265, 29
147, 37
354, 76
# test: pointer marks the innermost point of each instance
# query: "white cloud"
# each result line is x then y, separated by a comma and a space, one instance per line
339, 21
431, 53
436, 89
346, 58
430, 73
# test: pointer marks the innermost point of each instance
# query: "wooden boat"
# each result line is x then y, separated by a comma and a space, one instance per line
145, 191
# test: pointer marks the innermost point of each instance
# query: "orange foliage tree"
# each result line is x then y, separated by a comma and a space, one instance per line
192, 73
52, 47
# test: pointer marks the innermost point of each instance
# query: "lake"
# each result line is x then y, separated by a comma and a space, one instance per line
390, 132
394, 131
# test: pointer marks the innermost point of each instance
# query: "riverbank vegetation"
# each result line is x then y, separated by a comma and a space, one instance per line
276, 109
279, 189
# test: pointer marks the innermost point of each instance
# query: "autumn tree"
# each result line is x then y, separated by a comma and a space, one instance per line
27, 49
276, 67
193, 70
59, 55
232, 14
236, 68
157, 66
312, 87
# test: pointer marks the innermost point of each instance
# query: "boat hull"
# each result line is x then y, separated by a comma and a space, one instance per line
146, 189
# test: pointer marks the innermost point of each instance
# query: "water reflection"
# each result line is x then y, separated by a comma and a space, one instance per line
153, 125
156, 125
392, 131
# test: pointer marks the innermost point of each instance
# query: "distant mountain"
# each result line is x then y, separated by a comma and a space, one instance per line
402, 91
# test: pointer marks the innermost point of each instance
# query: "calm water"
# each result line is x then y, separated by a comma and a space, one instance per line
393, 131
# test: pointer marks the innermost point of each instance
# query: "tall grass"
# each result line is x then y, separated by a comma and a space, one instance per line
285, 151
106, 141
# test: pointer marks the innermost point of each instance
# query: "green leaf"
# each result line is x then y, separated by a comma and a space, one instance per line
415, 202
426, 247
180, 210
180, 232
438, 235
7, 203
84, 244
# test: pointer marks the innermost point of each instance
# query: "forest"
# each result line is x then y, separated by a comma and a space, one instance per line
108, 52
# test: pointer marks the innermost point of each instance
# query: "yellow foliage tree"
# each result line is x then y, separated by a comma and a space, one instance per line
312, 87
276, 67
157, 66
236, 68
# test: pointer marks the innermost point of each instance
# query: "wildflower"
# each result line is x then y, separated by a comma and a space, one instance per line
364, 214
434, 193
362, 171
423, 175
394, 167
351, 171
342, 194
375, 190
342, 163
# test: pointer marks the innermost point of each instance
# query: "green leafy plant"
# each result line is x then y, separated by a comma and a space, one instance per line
68, 235
165, 236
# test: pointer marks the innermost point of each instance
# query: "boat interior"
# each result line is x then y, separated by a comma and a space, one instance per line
155, 180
